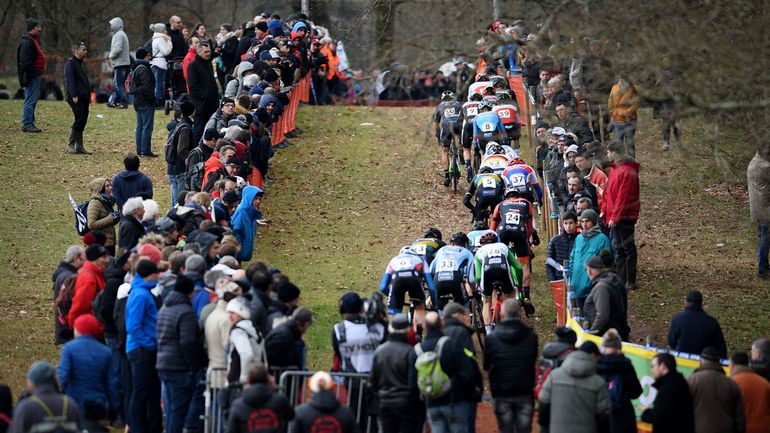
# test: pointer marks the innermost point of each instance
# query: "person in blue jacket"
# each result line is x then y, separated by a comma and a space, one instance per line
86, 369
589, 243
244, 221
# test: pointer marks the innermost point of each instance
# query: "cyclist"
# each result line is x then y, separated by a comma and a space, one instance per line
479, 229
450, 270
487, 188
495, 264
513, 222
509, 114
501, 149
522, 177
497, 162
406, 273
468, 112
427, 246
445, 120
487, 127
482, 82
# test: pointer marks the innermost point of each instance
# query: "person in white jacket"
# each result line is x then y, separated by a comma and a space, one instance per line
245, 346
161, 47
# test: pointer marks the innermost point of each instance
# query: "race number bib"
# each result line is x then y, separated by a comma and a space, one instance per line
517, 180
447, 265
419, 249
472, 111
512, 218
488, 183
449, 112
504, 114
487, 126
495, 252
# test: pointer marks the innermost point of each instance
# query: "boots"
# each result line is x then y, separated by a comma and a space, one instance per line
79, 143
71, 143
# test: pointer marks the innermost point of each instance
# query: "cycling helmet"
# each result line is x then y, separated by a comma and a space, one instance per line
480, 225
164, 226
497, 81
512, 192
476, 97
488, 238
459, 238
406, 250
447, 95
486, 169
432, 232
485, 104
494, 149
482, 77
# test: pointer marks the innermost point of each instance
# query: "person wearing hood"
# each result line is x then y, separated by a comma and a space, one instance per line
244, 221
607, 305
161, 48
623, 385
574, 398
121, 62
620, 211
510, 354
555, 352
323, 412
101, 214
672, 411
78, 96
131, 182
144, 103
260, 405
589, 243
235, 86
202, 87
466, 395
245, 43
245, 344
265, 111
226, 112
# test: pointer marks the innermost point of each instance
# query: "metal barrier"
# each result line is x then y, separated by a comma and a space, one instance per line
216, 381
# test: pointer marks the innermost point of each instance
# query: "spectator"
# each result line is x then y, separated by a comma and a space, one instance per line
131, 227
245, 344
161, 48
758, 180
195, 269
572, 122
607, 306
73, 260
622, 105
183, 142
197, 158
6, 407
560, 247
86, 369
144, 103
227, 43
692, 330
284, 345
510, 354
217, 328
101, 214
554, 354
222, 117
353, 340
592, 173
760, 357
94, 418
192, 51
755, 391
131, 182
121, 62
574, 398
34, 412
590, 243
286, 303
621, 211
260, 405
174, 30
717, 401
622, 383
244, 221
456, 327
202, 87
30, 65
89, 283
260, 293
78, 96
673, 408
323, 412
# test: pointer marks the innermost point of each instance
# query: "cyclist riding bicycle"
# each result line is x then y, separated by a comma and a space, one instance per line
487, 188
427, 246
468, 112
479, 229
501, 149
509, 115
497, 162
451, 268
406, 273
445, 120
487, 127
494, 264
520, 176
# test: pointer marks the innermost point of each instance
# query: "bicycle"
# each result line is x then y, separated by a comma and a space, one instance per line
455, 156
477, 319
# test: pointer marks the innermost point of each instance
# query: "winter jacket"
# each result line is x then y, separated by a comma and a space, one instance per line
244, 347
244, 223
574, 398
113, 278
621, 198
62, 333
184, 144
672, 411
99, 211
131, 229
758, 179
599, 180
179, 342
141, 316
218, 121
324, 413
217, 332
461, 334
89, 283
393, 378
235, 86
212, 166
144, 97
559, 249
510, 355
586, 246
202, 86
86, 372
623, 104
29, 412
755, 391
455, 364
130, 183
259, 307
717, 401
243, 46
27, 58
119, 50
618, 368
119, 314
178, 44
76, 79
578, 125
607, 307
284, 345
260, 409
354, 342
229, 45
692, 330
201, 153
161, 47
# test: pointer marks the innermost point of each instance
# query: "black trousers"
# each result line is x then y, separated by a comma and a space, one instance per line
80, 111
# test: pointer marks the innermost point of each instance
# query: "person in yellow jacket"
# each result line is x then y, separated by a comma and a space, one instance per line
623, 104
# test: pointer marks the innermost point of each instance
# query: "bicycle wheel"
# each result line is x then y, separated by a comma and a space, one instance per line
477, 321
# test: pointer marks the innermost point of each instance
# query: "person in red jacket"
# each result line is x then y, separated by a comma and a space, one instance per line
620, 211
89, 283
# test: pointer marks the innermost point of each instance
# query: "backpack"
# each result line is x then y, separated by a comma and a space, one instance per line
432, 381
194, 178
81, 212
131, 86
542, 370
63, 302
52, 423
171, 143
615, 390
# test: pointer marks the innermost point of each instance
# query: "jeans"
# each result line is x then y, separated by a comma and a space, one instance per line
622, 237
399, 420
514, 414
31, 94
764, 248
193, 419
119, 75
125, 387
145, 121
624, 133
160, 80
177, 184
80, 111
178, 388
670, 123
199, 124
446, 419
467, 411
112, 343
144, 412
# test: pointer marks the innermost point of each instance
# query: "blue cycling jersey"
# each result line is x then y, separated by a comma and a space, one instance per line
451, 260
487, 124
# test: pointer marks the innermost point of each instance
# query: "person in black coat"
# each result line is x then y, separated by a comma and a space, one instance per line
144, 103
244, 44
620, 375
692, 330
78, 96
284, 344
202, 86
456, 321
561, 245
260, 405
673, 408
131, 227
323, 412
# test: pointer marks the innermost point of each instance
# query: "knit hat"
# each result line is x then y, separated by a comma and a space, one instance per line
227, 26
141, 53
399, 322
145, 268
595, 262
590, 215
612, 339
228, 100
276, 32
558, 131
158, 27
572, 148
187, 108
41, 373
565, 335
298, 25
710, 353
151, 252
351, 303
453, 308
270, 76
262, 26
31, 23
287, 291
239, 307
95, 251
589, 347
274, 24
184, 285
89, 238
230, 197
87, 324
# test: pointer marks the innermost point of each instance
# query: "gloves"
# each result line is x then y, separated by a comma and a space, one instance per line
535, 238
467, 202
115, 215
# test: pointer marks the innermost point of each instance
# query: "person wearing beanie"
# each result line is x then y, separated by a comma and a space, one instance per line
141, 318
284, 344
717, 400
226, 112
554, 354
607, 304
622, 382
131, 182
245, 344
323, 407
42, 384
120, 59
183, 139
89, 283
217, 327
589, 243
467, 394
151, 252
78, 96
287, 300
353, 340
202, 87
30, 65
87, 371
179, 353
144, 103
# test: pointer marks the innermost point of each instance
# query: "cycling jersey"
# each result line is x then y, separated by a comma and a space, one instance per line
487, 126
523, 178
495, 263
510, 152
488, 189
426, 248
475, 236
468, 112
450, 268
512, 220
405, 274
447, 114
497, 163
478, 87
509, 115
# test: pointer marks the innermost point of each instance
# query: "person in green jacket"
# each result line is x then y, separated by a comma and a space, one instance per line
589, 243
